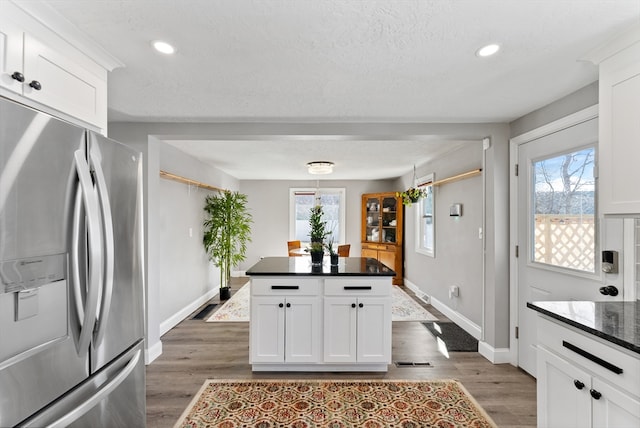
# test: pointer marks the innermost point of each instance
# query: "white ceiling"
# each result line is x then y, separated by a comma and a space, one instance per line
318, 61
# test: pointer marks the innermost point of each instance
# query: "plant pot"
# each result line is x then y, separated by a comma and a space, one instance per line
334, 259
225, 293
316, 257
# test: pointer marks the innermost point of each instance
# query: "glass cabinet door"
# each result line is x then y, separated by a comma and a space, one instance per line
389, 220
373, 220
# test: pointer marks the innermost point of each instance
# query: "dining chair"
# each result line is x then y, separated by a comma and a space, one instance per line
343, 250
292, 245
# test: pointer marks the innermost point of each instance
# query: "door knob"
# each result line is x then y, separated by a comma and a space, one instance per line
288, 305
360, 305
353, 305
18, 76
609, 290
578, 384
595, 394
35, 85
280, 305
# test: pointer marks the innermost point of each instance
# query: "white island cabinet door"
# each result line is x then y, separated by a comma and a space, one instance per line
374, 330
340, 329
563, 393
614, 408
302, 329
267, 329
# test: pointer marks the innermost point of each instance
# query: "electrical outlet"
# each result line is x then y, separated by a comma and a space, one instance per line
454, 291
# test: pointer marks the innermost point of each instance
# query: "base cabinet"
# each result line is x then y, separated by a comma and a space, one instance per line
310, 324
353, 327
287, 329
574, 391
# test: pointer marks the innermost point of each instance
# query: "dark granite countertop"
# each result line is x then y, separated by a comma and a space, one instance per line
616, 322
347, 266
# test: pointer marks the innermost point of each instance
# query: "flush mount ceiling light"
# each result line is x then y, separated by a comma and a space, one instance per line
320, 167
488, 50
163, 47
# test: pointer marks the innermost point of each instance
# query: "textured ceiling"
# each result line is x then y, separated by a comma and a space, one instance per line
345, 60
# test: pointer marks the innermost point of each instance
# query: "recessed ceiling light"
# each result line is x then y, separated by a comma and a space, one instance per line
163, 47
488, 50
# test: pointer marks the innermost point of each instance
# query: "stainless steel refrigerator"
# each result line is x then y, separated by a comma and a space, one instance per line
71, 275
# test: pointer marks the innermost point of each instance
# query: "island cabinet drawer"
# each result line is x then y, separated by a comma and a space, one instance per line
277, 286
360, 286
604, 359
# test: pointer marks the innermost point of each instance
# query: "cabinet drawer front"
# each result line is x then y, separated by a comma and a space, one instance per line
360, 286
602, 359
278, 286
378, 247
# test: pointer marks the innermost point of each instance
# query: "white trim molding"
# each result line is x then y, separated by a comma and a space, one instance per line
463, 322
152, 352
176, 318
495, 355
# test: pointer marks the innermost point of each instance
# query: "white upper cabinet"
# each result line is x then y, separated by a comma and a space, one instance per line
40, 68
619, 134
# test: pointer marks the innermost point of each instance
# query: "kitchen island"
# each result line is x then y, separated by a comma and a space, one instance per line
320, 318
588, 368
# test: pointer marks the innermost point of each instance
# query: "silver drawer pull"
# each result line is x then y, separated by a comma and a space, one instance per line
607, 365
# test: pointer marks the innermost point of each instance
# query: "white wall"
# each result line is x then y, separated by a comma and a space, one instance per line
458, 250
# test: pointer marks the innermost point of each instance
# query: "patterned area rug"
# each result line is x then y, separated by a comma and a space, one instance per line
333, 404
403, 308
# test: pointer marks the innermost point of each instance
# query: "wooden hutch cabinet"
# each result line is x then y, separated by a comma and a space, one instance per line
382, 216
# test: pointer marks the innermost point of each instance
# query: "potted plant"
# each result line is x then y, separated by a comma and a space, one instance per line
317, 233
411, 195
332, 252
227, 229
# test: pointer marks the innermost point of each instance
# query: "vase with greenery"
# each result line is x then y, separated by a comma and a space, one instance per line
332, 252
317, 233
227, 230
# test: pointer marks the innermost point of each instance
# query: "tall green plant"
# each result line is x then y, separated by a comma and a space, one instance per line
317, 226
227, 230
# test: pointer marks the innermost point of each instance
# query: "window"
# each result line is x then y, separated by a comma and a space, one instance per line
425, 239
302, 200
564, 220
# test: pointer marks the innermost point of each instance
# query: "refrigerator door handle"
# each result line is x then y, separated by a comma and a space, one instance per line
109, 252
98, 396
95, 248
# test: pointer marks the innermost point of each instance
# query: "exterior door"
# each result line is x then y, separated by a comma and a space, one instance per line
557, 228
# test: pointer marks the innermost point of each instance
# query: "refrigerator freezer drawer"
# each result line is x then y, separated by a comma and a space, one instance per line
113, 397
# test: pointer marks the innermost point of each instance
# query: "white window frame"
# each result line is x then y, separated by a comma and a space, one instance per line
318, 191
425, 181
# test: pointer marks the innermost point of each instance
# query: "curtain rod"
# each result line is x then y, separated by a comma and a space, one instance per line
467, 174
174, 177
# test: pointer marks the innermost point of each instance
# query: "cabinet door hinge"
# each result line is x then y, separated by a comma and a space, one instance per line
517, 332
517, 251
516, 170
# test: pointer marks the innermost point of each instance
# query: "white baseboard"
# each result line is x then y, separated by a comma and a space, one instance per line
495, 355
175, 319
416, 290
152, 352
463, 322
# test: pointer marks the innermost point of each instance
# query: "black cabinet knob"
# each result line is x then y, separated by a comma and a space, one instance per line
609, 290
280, 305
288, 305
353, 305
578, 384
35, 85
18, 76
595, 394
360, 305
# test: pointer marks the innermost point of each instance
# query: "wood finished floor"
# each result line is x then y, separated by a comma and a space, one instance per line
195, 350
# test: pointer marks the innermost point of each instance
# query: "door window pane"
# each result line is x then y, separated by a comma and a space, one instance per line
564, 227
